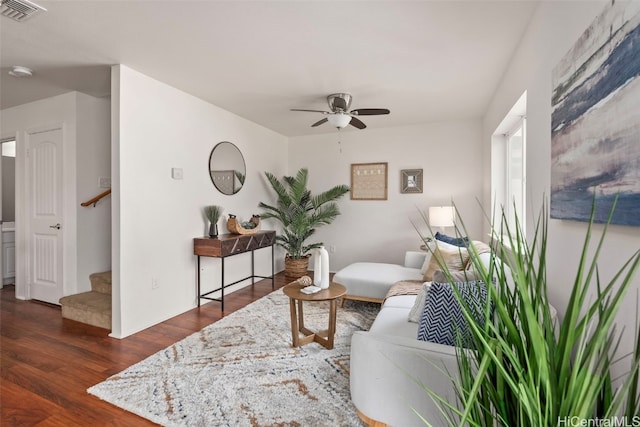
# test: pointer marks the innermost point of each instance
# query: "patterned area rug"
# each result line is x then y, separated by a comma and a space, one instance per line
242, 371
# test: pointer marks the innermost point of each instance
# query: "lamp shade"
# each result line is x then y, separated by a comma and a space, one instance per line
442, 216
339, 120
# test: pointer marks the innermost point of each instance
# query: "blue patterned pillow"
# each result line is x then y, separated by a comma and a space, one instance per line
462, 242
442, 318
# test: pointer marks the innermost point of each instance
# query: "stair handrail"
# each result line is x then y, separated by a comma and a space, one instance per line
96, 199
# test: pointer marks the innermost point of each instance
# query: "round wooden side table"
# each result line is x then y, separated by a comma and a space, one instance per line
296, 297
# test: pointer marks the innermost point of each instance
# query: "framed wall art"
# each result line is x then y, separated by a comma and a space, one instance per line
369, 181
595, 121
411, 181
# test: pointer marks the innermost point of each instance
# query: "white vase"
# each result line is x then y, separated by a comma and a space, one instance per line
321, 268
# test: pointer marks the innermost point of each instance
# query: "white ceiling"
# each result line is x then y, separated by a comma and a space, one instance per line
424, 60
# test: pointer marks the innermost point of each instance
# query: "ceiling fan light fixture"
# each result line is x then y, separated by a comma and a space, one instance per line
20, 71
340, 115
339, 120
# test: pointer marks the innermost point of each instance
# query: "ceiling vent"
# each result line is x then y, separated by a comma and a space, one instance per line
20, 10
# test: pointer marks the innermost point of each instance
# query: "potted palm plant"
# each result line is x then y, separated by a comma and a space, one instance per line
523, 370
300, 213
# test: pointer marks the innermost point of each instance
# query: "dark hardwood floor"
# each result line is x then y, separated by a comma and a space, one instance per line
47, 362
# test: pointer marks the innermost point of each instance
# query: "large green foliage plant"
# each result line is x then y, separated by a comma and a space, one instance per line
299, 212
524, 370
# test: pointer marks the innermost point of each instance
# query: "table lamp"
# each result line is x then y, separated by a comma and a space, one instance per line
442, 216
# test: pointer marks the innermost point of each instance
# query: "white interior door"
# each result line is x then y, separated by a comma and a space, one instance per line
44, 208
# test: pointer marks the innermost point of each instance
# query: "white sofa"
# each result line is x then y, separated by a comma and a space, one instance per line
370, 281
389, 364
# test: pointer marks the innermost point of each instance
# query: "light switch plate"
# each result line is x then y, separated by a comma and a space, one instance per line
176, 173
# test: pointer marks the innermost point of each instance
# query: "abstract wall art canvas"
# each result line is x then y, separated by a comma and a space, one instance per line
595, 121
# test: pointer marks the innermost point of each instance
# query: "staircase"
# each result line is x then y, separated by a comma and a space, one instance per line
93, 307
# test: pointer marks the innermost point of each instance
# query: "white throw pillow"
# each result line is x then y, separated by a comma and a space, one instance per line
418, 305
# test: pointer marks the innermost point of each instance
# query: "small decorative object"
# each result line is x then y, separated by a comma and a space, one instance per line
369, 181
304, 280
321, 268
411, 181
310, 290
213, 213
247, 227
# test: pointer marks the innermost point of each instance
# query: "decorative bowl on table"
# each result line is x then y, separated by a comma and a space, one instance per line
248, 227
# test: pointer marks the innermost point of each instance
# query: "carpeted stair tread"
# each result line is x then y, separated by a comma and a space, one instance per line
92, 308
101, 282
96, 300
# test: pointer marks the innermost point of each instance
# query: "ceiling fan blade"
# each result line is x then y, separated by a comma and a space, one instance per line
357, 123
319, 122
340, 103
370, 111
311, 111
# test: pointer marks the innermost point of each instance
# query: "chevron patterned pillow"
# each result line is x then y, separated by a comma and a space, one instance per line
442, 318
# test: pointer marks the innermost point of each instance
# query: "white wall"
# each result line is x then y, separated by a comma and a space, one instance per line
93, 161
64, 111
449, 154
155, 128
554, 29
116, 296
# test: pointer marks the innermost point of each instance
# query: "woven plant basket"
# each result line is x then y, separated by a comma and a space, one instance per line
236, 228
296, 268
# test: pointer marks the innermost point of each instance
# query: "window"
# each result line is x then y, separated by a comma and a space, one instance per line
515, 179
508, 167
9, 148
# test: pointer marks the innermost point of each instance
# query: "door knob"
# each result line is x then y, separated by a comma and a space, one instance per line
57, 226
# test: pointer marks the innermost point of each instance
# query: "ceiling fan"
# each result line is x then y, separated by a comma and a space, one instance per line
340, 116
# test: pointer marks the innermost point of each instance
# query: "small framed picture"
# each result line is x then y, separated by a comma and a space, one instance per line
411, 181
369, 181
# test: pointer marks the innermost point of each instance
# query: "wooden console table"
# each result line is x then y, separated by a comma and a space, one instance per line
226, 245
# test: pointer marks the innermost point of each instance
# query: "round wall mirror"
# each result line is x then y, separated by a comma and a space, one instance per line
226, 168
